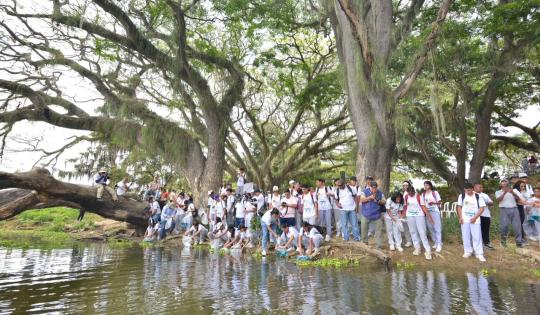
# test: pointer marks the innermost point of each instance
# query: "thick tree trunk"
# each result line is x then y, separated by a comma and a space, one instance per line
38, 189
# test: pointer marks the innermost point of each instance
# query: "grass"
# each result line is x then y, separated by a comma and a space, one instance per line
33, 239
536, 272
404, 265
328, 262
117, 243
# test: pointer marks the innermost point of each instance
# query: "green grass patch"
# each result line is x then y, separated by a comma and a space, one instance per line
405, 265
34, 239
486, 272
536, 272
117, 243
328, 262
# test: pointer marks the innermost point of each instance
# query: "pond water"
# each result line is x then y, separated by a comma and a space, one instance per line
98, 279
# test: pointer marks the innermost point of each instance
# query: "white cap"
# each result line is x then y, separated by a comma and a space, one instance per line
103, 170
522, 175
275, 188
291, 182
210, 192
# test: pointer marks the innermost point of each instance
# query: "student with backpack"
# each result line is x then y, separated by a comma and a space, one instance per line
508, 199
416, 214
392, 218
309, 207
470, 208
432, 200
372, 200
347, 202
322, 197
485, 218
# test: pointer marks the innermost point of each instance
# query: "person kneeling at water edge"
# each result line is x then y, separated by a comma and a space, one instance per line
310, 239
197, 232
268, 226
289, 238
470, 208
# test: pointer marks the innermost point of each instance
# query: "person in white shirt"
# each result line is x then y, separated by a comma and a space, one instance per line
259, 198
122, 187
268, 226
417, 213
288, 209
470, 208
432, 200
275, 199
102, 181
229, 214
155, 209
240, 216
310, 238
289, 238
485, 218
197, 232
151, 234
309, 214
525, 178
323, 197
250, 208
189, 214
392, 218
508, 199
347, 202
533, 211
241, 181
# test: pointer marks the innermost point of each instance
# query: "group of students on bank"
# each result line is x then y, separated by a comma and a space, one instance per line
301, 218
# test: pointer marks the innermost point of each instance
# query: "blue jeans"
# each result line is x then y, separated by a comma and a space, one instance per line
266, 234
290, 221
240, 221
162, 230
349, 216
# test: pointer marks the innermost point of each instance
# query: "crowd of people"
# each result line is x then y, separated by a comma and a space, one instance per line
300, 219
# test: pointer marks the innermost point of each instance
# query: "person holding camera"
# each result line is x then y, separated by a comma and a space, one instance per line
102, 180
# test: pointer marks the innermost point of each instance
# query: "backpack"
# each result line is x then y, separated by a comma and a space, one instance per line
350, 190
477, 199
317, 192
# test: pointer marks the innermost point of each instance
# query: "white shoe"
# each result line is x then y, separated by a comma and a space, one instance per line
532, 238
263, 253
408, 244
434, 246
438, 249
467, 255
428, 255
416, 252
392, 247
327, 238
481, 258
400, 249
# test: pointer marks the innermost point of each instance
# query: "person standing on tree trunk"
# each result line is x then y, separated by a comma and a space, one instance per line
240, 182
102, 180
485, 218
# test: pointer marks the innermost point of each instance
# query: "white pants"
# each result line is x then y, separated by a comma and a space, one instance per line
472, 231
406, 231
317, 241
417, 227
392, 230
435, 229
311, 220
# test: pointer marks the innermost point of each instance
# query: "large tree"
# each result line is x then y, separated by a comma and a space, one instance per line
368, 34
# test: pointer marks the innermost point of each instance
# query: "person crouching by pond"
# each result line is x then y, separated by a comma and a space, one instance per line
168, 216
152, 231
197, 232
416, 219
470, 208
310, 238
102, 181
155, 209
289, 238
392, 218
269, 223
372, 199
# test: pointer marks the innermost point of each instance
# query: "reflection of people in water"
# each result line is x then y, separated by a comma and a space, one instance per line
421, 292
479, 295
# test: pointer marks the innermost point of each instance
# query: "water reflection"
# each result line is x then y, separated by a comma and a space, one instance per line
96, 279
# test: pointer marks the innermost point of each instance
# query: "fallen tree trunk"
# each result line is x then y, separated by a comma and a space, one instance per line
38, 189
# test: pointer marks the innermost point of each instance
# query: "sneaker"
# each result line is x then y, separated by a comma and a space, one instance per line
438, 248
533, 238
392, 247
428, 255
481, 258
327, 238
467, 255
408, 244
489, 246
400, 249
416, 252
263, 253
434, 246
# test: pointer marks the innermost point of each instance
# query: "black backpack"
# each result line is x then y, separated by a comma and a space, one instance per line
477, 199
349, 188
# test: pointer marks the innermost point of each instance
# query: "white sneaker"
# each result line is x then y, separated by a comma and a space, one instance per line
264, 253
434, 246
467, 255
428, 255
400, 249
438, 249
416, 252
533, 238
408, 244
327, 238
392, 247
481, 258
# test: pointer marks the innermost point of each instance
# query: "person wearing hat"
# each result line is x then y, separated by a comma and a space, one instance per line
275, 198
102, 181
524, 178
508, 199
323, 197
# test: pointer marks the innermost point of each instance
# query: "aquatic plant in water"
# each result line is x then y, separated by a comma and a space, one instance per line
328, 262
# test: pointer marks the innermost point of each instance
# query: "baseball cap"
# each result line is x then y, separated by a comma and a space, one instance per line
275, 188
291, 182
522, 175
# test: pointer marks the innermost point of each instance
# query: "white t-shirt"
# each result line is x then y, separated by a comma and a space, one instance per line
535, 211
194, 229
267, 217
260, 201
508, 201
154, 208
486, 213
414, 209
313, 232
293, 233
432, 196
287, 211
220, 208
249, 212
394, 207
121, 188
469, 207
309, 206
240, 207
346, 199
275, 201
323, 198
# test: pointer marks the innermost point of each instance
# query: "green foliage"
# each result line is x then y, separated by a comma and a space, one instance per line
328, 263
34, 239
404, 265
